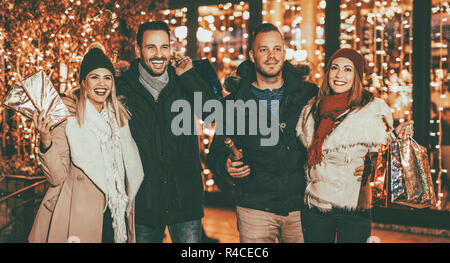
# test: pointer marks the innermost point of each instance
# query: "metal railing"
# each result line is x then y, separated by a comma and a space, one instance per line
19, 198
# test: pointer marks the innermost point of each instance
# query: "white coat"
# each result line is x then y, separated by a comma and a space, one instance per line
332, 182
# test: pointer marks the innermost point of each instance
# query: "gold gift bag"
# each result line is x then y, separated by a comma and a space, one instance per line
36, 92
380, 183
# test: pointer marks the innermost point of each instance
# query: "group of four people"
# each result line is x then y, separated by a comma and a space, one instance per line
118, 173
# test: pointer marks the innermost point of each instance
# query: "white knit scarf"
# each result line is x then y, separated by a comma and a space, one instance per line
104, 126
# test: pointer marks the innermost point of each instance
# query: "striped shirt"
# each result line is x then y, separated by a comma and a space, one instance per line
269, 96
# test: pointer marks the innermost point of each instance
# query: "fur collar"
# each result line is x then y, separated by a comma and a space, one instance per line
85, 154
246, 75
364, 126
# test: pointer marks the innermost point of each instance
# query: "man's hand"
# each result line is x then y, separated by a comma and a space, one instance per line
181, 64
359, 172
365, 171
70, 104
235, 171
405, 130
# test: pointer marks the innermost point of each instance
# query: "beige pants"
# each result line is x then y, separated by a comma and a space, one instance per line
256, 226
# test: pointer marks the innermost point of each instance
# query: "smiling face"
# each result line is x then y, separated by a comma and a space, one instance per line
98, 85
341, 75
268, 53
155, 52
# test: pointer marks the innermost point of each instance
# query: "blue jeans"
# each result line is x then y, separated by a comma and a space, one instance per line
184, 232
323, 227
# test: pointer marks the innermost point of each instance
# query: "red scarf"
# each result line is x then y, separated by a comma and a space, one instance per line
330, 108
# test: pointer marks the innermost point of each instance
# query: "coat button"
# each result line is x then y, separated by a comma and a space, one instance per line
282, 126
80, 178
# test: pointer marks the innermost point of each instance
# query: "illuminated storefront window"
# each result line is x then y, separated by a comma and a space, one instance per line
222, 35
302, 24
440, 101
382, 32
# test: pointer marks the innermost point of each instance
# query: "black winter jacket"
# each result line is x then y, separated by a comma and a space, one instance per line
277, 180
172, 190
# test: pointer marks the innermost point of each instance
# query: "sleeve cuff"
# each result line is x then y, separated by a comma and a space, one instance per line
44, 150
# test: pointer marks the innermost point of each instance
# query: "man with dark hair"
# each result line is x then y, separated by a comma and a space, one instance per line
269, 186
155, 25
262, 28
172, 191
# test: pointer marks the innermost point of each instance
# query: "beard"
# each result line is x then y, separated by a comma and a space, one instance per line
149, 69
266, 74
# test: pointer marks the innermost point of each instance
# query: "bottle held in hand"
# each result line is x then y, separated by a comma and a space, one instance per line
236, 155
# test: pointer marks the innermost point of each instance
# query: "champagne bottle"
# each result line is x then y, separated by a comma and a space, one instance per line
236, 155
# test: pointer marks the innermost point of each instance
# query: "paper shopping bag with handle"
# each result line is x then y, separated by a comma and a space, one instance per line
411, 182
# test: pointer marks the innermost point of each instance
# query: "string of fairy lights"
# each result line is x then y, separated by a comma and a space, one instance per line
222, 35
53, 36
383, 35
438, 84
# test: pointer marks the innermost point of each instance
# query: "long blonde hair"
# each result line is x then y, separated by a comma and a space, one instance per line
121, 113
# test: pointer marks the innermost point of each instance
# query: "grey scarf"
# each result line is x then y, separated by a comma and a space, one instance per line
154, 86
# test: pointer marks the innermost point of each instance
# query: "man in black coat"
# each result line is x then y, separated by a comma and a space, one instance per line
269, 187
172, 191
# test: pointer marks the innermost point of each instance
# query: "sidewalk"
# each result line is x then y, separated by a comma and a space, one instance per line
220, 223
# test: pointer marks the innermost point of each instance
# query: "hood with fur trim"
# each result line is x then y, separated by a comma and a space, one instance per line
246, 73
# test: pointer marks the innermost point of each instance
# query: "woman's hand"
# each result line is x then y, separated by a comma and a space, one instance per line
405, 130
43, 126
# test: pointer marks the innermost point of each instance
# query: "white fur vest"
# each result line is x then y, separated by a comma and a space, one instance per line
332, 182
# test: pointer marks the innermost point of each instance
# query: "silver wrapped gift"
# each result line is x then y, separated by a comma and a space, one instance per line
36, 92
